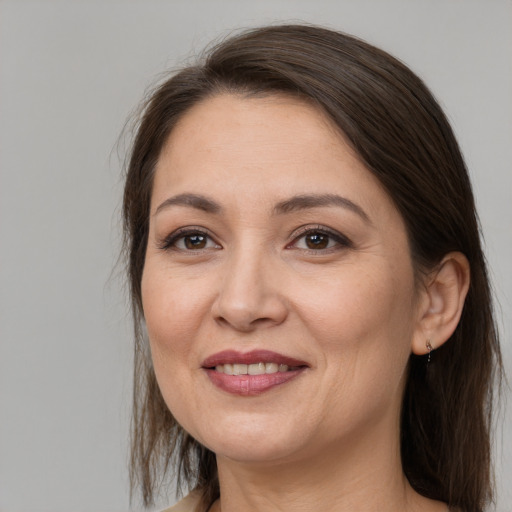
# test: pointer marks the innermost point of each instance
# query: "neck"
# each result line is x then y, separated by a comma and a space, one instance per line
358, 476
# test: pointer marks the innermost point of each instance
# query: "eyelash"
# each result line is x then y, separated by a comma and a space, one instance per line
342, 242
169, 242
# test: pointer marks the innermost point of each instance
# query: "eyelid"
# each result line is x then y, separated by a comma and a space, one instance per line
342, 240
168, 242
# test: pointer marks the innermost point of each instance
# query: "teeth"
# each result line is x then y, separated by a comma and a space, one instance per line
256, 369
252, 369
271, 367
239, 369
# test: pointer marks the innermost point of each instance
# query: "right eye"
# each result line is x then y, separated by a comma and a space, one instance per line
189, 240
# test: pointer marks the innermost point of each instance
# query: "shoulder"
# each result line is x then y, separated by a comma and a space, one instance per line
187, 504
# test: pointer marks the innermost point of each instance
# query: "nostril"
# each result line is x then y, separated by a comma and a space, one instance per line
248, 299
247, 323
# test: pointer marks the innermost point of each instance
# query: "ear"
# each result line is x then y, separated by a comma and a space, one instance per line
441, 303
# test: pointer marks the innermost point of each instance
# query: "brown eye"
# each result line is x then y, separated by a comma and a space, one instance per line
321, 240
316, 241
185, 240
195, 242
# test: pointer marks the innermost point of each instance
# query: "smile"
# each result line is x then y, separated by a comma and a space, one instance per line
251, 373
253, 369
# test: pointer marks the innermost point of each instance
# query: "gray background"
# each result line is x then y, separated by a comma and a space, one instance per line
70, 74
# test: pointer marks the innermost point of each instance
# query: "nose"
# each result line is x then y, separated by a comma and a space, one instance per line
249, 296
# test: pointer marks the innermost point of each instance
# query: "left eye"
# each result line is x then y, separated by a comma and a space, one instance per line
185, 240
194, 242
318, 240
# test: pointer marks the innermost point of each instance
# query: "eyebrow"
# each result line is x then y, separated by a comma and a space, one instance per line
296, 203
192, 200
307, 201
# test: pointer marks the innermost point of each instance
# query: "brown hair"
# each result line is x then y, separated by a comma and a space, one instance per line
401, 134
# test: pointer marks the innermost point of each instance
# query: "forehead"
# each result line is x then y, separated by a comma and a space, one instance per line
272, 146
253, 121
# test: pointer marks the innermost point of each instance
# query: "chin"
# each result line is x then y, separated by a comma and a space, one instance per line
261, 453
252, 442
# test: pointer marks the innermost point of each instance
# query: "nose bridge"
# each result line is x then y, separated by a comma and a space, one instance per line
249, 294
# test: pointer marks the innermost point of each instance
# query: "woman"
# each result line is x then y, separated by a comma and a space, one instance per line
304, 258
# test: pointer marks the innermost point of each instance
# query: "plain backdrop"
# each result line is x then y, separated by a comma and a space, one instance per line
70, 74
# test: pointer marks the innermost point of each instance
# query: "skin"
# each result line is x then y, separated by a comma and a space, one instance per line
328, 439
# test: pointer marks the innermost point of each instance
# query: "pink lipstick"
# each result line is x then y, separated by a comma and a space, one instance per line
251, 373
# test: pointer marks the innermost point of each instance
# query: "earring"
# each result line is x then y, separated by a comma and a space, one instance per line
429, 348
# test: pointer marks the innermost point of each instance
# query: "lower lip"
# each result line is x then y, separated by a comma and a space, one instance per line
250, 385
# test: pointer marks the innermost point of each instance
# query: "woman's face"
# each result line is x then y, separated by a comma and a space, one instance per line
274, 254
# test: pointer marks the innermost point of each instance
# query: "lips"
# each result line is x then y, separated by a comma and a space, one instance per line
253, 357
251, 373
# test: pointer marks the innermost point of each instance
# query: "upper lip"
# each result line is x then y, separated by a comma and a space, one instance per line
253, 357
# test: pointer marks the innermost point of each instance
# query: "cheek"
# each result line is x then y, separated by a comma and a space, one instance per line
363, 328
172, 313
363, 322
358, 302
